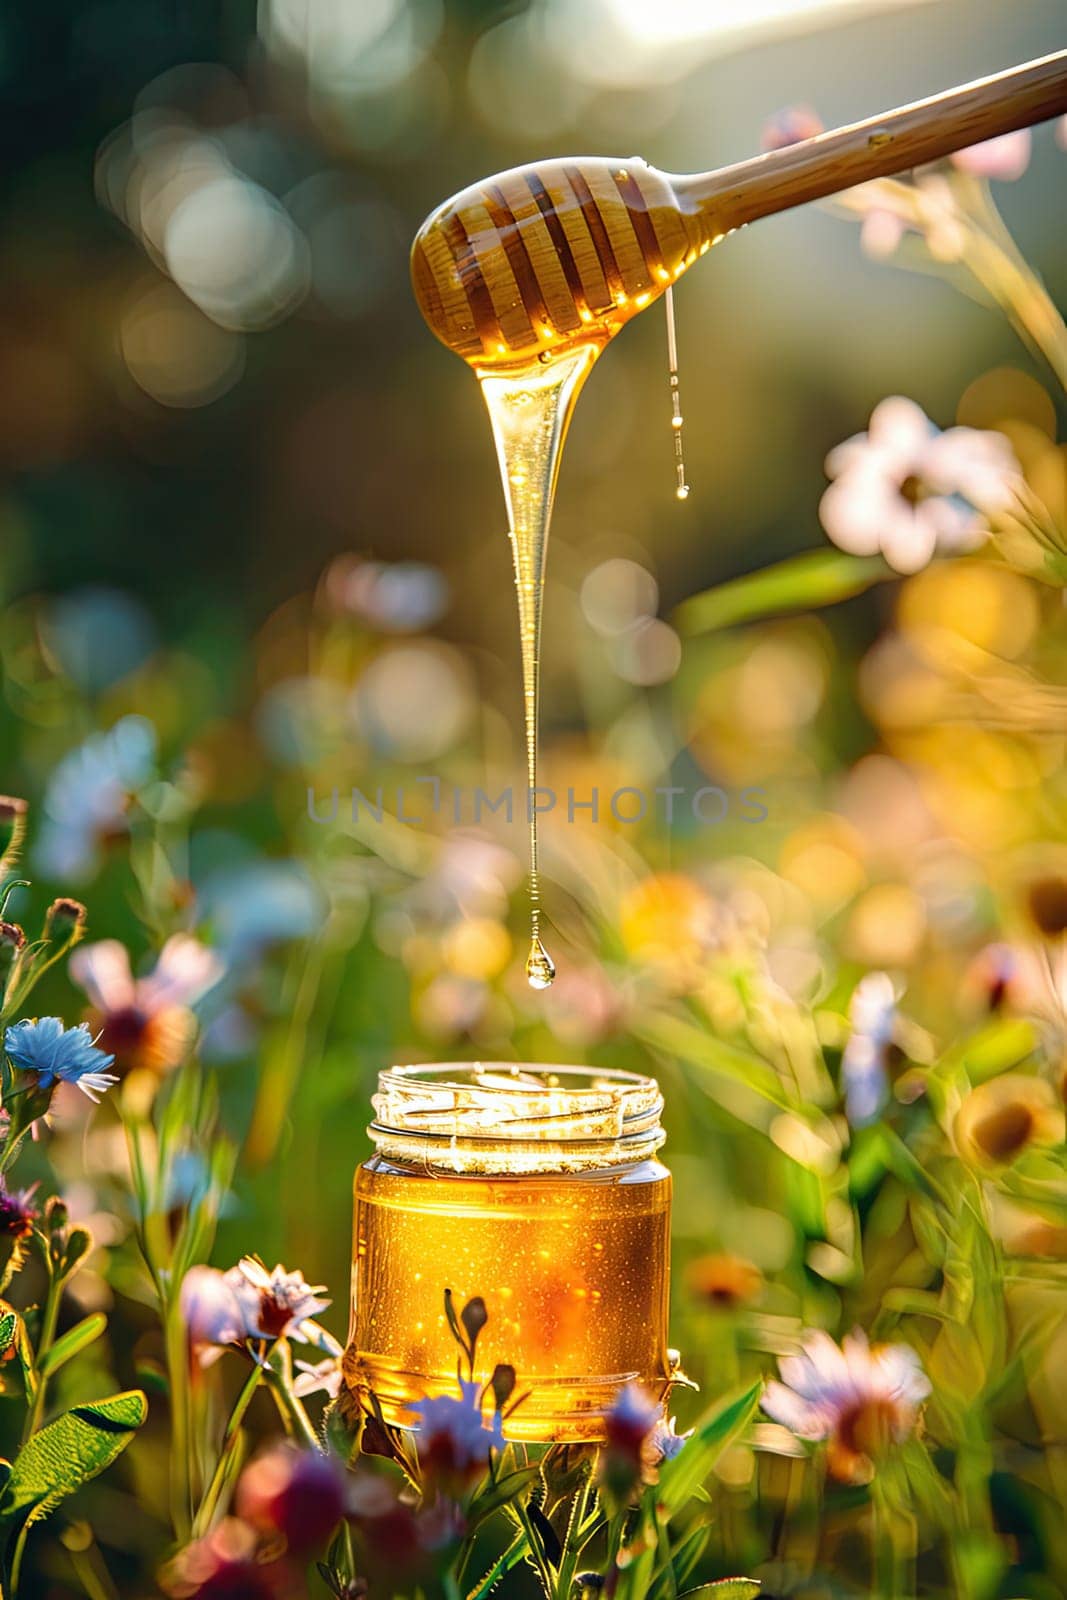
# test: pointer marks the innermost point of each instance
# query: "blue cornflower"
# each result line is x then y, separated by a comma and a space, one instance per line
87, 801
53, 1053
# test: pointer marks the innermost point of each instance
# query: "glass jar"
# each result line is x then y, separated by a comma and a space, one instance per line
538, 1189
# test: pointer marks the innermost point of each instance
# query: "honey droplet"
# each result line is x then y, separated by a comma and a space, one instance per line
540, 967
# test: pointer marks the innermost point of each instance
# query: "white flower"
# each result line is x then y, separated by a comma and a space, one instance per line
910, 491
860, 1398
248, 1302
323, 1376
453, 1438
273, 1304
882, 229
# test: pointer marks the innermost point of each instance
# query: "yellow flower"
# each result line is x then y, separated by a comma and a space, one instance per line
1000, 1119
724, 1281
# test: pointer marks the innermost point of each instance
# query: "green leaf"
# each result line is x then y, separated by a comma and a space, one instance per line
689, 1468
550, 1545
511, 1557
499, 1494
726, 1589
73, 1342
688, 1552
69, 1451
9, 1328
680, 1562
801, 583
18, 1341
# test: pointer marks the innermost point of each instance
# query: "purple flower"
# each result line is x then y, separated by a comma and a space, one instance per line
211, 1313
860, 1398
633, 1438
790, 126
17, 1211
634, 1413
453, 1439
228, 1564
298, 1495
43, 1046
1006, 157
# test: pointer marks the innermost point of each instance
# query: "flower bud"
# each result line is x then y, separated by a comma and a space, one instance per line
474, 1318
12, 829
503, 1384
12, 944
64, 924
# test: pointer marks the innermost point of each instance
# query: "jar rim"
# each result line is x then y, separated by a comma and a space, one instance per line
505, 1116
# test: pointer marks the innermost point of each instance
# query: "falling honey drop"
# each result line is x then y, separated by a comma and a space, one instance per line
530, 409
540, 967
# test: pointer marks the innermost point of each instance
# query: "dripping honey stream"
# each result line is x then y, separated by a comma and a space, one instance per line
529, 274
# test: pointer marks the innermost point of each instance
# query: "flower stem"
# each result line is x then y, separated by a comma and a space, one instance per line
893, 1543
49, 1319
205, 1515
1022, 296
181, 1495
279, 1378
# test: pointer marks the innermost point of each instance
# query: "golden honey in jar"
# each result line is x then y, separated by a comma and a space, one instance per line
538, 1189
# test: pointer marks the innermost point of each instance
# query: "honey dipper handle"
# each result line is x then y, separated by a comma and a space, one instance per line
907, 137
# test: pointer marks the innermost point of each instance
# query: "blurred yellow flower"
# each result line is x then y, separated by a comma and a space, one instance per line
666, 919
724, 1281
477, 947
1001, 1119
887, 926
824, 859
973, 601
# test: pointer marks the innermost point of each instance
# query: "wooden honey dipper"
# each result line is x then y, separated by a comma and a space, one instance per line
564, 252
